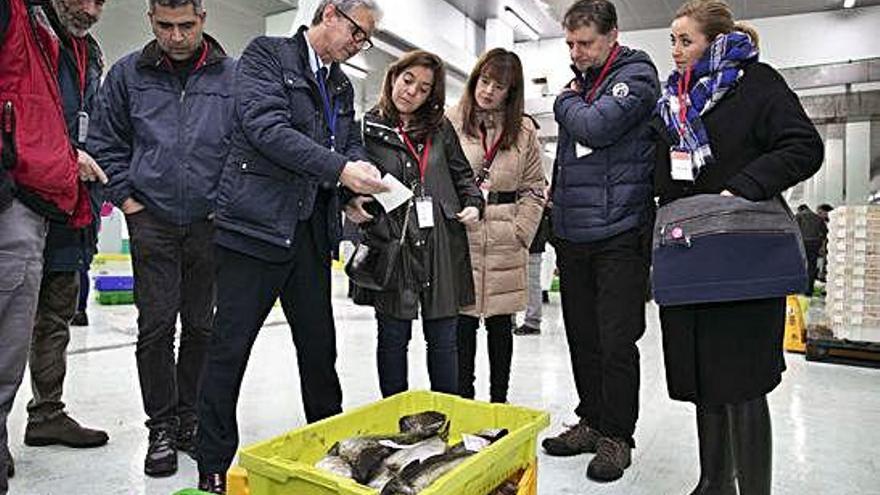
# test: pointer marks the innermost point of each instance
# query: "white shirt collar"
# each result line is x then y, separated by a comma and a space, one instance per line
314, 60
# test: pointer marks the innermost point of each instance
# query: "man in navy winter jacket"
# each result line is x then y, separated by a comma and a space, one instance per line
278, 215
602, 213
162, 130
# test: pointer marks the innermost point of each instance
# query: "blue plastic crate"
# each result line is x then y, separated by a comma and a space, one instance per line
109, 283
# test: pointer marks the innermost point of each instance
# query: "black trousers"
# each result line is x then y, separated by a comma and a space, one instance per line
812, 248
603, 307
247, 288
173, 275
500, 345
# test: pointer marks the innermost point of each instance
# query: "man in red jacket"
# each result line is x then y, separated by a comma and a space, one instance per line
41, 177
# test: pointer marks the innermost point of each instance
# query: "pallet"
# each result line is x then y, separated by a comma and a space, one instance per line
854, 353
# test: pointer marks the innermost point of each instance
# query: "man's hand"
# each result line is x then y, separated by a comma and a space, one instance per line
130, 206
355, 211
362, 178
469, 215
89, 170
727, 193
575, 86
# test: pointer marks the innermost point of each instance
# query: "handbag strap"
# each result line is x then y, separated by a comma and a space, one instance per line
405, 221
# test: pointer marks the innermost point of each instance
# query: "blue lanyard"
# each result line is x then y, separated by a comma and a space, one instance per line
330, 112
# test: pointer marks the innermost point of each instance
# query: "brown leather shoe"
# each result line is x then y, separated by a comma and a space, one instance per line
577, 439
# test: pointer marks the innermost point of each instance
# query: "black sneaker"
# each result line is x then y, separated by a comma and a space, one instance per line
80, 319
213, 483
612, 458
526, 330
577, 439
63, 430
161, 459
186, 437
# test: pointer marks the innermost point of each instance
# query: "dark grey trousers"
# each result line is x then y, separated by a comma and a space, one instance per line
22, 237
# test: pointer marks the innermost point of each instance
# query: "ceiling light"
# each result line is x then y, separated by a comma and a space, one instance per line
848, 4
516, 21
354, 70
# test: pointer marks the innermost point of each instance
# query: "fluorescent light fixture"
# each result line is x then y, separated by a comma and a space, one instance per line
516, 21
848, 4
354, 70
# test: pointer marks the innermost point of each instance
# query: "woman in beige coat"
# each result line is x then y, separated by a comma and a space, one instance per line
501, 144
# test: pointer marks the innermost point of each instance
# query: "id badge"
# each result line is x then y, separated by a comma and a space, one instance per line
484, 188
82, 126
425, 212
682, 165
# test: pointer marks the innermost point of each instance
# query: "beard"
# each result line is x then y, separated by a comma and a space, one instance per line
75, 21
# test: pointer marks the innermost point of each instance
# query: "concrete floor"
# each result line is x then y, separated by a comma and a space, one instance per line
825, 417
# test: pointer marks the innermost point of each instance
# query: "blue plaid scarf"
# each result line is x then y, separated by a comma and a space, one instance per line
712, 76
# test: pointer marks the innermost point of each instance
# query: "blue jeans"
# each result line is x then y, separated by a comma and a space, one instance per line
391, 354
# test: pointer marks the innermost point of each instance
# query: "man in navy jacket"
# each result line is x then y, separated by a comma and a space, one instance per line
161, 133
602, 212
278, 216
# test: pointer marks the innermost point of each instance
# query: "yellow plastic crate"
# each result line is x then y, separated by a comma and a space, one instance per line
285, 465
237, 482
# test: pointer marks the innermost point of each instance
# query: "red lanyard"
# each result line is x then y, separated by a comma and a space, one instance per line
684, 85
80, 49
199, 63
489, 153
604, 73
423, 160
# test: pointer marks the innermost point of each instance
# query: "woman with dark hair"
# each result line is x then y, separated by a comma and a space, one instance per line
406, 135
729, 125
502, 147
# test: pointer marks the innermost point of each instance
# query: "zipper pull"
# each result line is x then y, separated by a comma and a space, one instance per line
7, 117
182, 95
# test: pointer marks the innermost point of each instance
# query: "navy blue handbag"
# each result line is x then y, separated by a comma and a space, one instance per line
713, 248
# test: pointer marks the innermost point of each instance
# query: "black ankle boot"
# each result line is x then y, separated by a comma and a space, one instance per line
752, 446
213, 483
717, 476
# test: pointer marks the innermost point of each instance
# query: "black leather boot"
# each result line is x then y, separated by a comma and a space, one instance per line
752, 446
717, 475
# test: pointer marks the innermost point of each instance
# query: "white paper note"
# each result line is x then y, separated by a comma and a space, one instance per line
396, 195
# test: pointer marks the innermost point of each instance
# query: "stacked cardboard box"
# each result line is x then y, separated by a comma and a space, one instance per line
853, 302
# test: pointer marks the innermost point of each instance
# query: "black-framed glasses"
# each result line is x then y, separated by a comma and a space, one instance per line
358, 34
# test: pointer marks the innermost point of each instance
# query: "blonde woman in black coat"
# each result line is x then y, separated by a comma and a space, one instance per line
747, 135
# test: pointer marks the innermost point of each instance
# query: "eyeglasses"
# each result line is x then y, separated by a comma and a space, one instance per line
358, 34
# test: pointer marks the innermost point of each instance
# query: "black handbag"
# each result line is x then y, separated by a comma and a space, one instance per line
714, 248
372, 263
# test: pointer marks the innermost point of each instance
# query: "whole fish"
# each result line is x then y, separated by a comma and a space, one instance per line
425, 424
399, 460
420, 475
365, 454
336, 465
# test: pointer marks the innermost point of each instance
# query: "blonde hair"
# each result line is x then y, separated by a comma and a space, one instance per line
715, 17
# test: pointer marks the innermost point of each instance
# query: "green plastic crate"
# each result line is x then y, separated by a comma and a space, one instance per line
285, 465
115, 297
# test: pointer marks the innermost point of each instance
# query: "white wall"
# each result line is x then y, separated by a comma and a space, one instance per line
788, 41
124, 28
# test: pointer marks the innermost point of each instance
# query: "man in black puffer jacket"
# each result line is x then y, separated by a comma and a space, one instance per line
602, 212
